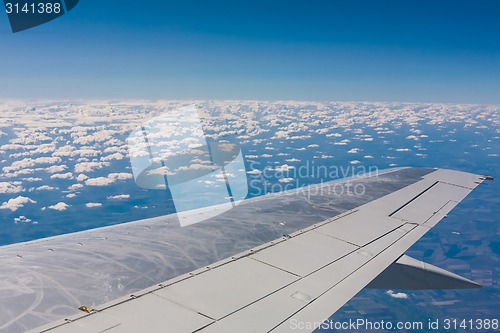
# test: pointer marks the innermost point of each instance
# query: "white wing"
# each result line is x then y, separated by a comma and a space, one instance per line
303, 276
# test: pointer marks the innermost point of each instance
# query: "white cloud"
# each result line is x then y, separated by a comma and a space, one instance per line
396, 295
75, 187
64, 151
292, 160
16, 203
113, 149
119, 197
353, 151
164, 170
71, 195
11, 187
196, 166
110, 179
120, 176
89, 166
60, 206
283, 168
33, 179
44, 149
99, 181
254, 172
18, 165
67, 175
285, 180
82, 177
45, 188
19, 173
93, 204
116, 156
22, 219
85, 152
56, 168
98, 136
342, 143
48, 160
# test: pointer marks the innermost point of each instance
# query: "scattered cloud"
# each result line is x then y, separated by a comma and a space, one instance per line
119, 197
90, 166
110, 179
60, 206
33, 179
67, 175
23, 219
120, 176
82, 177
11, 187
45, 188
353, 151
99, 181
396, 295
75, 187
113, 157
56, 168
16, 203
283, 168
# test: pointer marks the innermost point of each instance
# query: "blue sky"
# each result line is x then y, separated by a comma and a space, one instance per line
429, 51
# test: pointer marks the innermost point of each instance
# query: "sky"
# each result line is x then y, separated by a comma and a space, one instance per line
415, 51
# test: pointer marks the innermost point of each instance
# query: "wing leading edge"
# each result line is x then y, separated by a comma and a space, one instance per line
303, 277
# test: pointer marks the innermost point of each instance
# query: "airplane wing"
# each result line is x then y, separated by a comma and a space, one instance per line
270, 262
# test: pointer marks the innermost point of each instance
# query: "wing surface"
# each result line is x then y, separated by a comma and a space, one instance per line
260, 282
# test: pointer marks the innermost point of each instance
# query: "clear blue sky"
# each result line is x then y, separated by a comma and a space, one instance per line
437, 51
